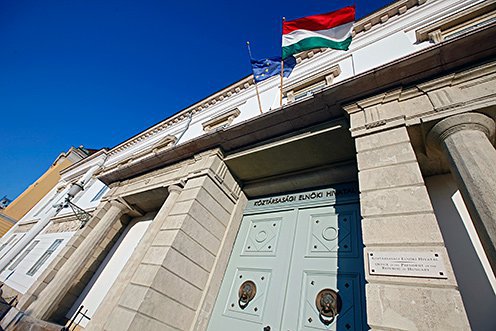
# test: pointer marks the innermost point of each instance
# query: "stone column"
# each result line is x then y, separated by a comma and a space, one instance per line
112, 298
52, 296
466, 141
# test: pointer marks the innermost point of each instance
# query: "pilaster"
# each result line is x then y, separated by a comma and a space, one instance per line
54, 296
398, 217
173, 277
112, 298
54, 267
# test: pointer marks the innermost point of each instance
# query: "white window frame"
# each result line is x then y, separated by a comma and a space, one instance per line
23, 255
42, 260
100, 193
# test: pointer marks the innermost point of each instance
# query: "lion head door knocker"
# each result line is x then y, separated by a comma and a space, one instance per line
246, 293
328, 303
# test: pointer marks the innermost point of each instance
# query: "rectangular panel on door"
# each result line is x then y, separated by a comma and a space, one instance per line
289, 258
326, 255
260, 255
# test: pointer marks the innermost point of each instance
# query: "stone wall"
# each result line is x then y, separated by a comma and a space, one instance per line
390, 130
173, 276
398, 217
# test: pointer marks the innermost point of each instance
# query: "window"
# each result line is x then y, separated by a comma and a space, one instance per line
306, 87
310, 90
23, 255
221, 121
44, 257
100, 193
8, 242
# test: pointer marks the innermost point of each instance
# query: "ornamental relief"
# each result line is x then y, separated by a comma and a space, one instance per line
465, 90
68, 226
21, 228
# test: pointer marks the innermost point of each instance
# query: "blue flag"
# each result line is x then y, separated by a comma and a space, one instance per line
265, 68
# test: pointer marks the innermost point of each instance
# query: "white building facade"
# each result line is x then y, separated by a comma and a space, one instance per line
367, 201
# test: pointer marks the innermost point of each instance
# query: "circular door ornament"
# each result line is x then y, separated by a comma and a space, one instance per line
328, 303
329, 233
261, 236
246, 293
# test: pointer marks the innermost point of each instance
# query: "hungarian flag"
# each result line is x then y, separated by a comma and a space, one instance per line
331, 30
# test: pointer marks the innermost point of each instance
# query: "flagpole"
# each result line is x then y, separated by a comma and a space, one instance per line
256, 86
282, 63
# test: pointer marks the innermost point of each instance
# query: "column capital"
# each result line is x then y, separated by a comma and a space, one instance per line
117, 203
461, 122
174, 188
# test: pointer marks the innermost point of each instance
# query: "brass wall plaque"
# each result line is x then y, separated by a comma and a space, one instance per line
407, 264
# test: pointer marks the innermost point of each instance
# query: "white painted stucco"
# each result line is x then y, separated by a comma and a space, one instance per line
107, 273
18, 278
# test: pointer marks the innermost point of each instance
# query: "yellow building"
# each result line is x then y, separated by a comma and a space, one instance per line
36, 191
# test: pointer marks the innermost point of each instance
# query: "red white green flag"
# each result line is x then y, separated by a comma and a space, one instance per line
331, 30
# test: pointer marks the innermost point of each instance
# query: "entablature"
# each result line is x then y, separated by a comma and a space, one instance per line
461, 91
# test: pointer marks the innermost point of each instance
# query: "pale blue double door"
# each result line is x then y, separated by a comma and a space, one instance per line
290, 256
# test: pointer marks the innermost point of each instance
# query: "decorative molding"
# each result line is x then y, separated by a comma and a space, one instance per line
438, 31
67, 226
22, 228
198, 107
438, 98
373, 118
29, 221
382, 16
164, 143
327, 74
361, 26
327, 77
221, 121
68, 216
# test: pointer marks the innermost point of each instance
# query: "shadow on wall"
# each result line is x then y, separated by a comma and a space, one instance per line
475, 279
350, 271
333, 267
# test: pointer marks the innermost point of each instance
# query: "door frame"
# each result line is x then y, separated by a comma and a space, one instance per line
331, 195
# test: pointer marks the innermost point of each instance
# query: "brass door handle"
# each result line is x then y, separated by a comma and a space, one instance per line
246, 293
328, 303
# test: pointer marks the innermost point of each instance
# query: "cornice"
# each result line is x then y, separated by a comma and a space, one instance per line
361, 26
86, 160
383, 15
198, 107
435, 30
412, 70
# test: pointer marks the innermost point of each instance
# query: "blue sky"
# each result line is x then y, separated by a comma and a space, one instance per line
94, 73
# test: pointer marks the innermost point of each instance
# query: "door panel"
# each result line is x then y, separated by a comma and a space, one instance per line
313, 283
325, 256
263, 236
253, 312
261, 254
291, 256
329, 233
